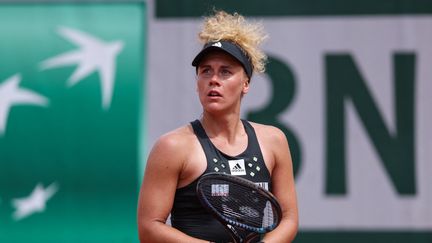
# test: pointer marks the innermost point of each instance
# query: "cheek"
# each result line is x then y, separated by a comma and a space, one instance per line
200, 89
199, 86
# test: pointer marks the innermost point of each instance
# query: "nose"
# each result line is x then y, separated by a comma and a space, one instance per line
214, 80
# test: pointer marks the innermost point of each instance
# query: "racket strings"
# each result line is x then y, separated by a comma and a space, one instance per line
240, 204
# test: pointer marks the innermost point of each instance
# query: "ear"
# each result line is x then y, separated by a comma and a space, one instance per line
245, 86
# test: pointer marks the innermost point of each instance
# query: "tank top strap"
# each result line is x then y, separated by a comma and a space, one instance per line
210, 150
253, 144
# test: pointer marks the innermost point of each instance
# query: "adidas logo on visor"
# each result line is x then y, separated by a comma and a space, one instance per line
218, 44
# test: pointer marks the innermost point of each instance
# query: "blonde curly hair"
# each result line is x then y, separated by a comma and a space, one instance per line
234, 28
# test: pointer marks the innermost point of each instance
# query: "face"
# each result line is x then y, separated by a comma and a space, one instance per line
221, 82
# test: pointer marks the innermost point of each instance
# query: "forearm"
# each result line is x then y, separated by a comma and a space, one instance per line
158, 232
284, 233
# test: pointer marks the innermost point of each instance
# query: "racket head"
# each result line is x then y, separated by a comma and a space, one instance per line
239, 202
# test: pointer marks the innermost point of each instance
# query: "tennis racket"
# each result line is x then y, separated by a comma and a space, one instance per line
244, 208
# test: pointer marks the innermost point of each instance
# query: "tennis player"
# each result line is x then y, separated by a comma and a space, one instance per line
219, 141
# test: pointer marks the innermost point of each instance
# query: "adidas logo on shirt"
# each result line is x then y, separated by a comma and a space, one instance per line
237, 167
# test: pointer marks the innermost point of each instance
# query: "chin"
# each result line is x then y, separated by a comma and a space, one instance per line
213, 108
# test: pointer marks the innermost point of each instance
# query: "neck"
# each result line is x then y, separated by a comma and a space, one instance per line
228, 127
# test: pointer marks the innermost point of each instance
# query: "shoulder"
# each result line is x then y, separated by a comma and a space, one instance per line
171, 151
268, 132
175, 139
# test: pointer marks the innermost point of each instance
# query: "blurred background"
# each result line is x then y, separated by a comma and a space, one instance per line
86, 87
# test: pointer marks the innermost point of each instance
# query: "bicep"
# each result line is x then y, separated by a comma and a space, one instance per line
159, 185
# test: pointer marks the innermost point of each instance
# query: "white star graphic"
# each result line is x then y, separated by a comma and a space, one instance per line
11, 94
93, 55
35, 202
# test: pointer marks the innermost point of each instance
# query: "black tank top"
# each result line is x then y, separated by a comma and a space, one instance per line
187, 214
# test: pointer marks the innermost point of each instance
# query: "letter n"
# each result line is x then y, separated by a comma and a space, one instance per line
395, 148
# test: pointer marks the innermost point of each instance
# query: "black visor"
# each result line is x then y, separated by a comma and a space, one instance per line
228, 47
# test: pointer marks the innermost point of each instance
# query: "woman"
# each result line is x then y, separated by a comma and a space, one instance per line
218, 142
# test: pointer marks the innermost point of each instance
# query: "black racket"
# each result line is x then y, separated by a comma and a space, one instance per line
244, 208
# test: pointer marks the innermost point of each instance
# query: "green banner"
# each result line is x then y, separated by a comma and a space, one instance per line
71, 88
285, 8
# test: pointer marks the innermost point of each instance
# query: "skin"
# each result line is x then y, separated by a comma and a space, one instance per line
177, 158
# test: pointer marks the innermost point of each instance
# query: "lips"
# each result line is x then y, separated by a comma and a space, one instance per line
214, 93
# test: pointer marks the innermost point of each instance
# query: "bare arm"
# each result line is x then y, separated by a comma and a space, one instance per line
156, 198
283, 189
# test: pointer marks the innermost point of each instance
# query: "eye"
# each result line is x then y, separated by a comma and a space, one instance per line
225, 73
204, 72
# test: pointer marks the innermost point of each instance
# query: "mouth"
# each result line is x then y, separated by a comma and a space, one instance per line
214, 93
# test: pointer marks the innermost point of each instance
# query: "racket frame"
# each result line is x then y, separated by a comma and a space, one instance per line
232, 225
